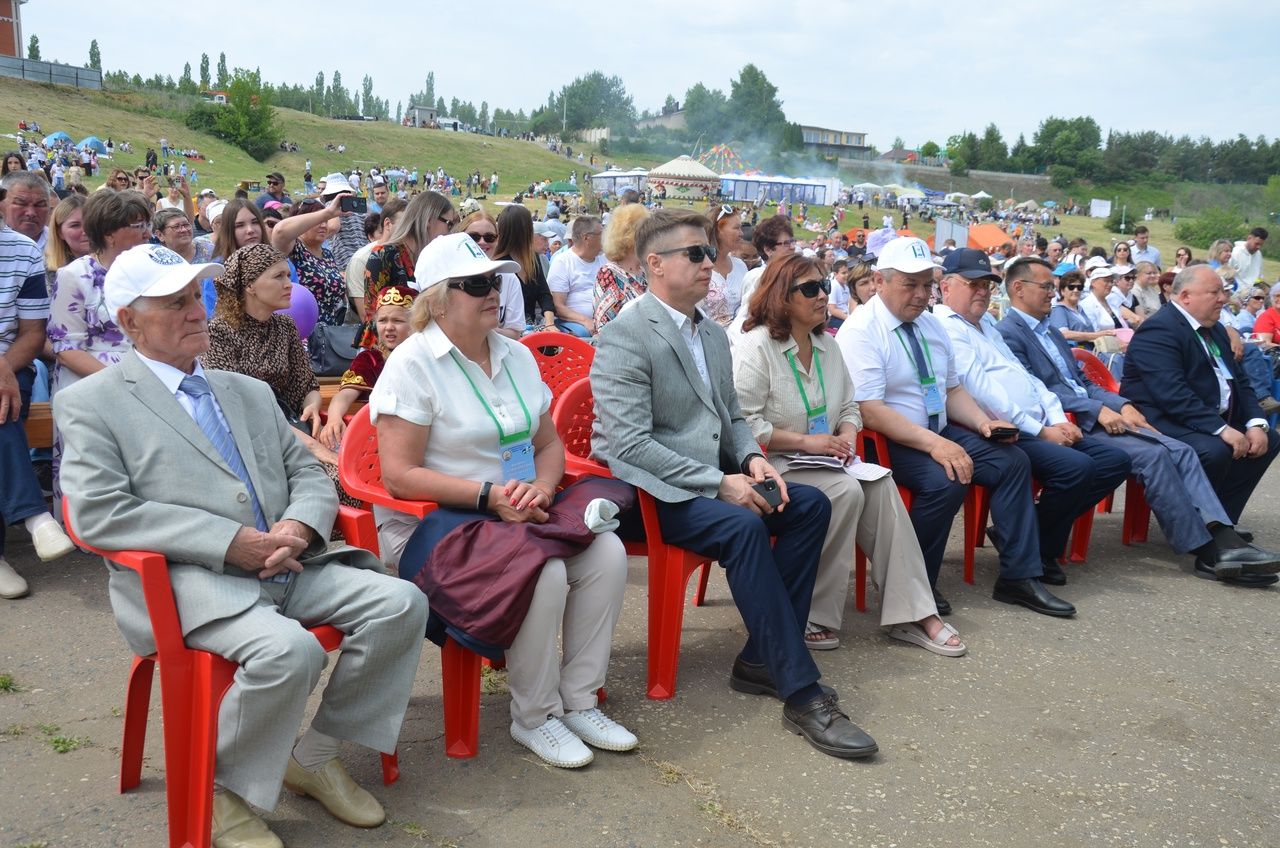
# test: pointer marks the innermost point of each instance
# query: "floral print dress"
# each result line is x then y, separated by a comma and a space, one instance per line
321, 276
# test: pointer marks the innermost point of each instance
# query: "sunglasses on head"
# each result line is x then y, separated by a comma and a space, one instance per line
810, 288
695, 253
478, 286
725, 211
487, 238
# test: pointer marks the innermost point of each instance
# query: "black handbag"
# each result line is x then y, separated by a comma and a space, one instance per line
332, 348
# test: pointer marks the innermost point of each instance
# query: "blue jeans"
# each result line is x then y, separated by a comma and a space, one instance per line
573, 327
20, 495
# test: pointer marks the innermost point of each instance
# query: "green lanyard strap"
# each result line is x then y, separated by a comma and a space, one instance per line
503, 438
928, 357
809, 411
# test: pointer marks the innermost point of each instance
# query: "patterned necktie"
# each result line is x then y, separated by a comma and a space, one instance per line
201, 396
922, 367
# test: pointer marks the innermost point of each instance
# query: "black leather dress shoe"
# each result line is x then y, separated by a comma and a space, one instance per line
755, 680
1053, 575
1235, 562
827, 729
1247, 535
943, 605
1032, 594
1248, 581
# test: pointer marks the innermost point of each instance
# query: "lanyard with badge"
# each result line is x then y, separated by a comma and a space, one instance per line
817, 416
514, 449
1216, 353
933, 403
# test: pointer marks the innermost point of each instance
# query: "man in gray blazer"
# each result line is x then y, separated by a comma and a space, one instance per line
202, 467
1189, 511
668, 422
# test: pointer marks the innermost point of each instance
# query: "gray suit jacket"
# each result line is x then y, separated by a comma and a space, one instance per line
140, 474
657, 426
1024, 344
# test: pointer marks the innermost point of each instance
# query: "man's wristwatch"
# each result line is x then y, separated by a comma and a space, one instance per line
1261, 425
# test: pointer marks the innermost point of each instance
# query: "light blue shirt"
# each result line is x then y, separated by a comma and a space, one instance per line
1040, 329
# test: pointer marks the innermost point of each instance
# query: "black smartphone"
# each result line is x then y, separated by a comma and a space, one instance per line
1003, 433
770, 492
351, 203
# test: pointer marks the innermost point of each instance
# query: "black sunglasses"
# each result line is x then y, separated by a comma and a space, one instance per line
695, 253
810, 288
478, 286
487, 238
1073, 287
450, 222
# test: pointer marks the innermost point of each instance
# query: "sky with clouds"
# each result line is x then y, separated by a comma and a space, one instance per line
919, 70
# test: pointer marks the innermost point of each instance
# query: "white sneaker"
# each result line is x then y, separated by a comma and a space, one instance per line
599, 731
50, 542
554, 743
11, 583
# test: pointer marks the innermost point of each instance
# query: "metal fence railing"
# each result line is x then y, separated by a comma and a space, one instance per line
50, 72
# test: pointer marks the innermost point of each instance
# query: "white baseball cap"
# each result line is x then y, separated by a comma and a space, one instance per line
454, 256
1100, 273
214, 210
908, 255
336, 183
1095, 262
545, 230
1121, 269
150, 270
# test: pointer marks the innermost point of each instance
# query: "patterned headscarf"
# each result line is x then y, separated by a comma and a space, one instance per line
245, 266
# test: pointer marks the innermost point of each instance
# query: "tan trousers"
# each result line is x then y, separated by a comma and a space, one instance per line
873, 516
578, 599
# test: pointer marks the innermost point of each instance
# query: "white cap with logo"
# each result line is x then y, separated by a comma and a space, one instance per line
454, 256
908, 255
150, 270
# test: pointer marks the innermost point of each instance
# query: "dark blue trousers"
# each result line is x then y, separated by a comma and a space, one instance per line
1003, 469
1074, 480
20, 495
1233, 479
772, 586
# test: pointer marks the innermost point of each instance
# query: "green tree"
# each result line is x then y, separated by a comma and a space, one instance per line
399, 111
482, 120
33, 48
705, 111
930, 149
754, 105
1271, 194
95, 55
898, 143
223, 77
440, 106
992, 153
186, 84
669, 105
429, 93
248, 121
204, 72
366, 96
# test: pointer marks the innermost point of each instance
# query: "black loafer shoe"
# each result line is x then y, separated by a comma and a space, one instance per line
943, 605
827, 729
1053, 575
1235, 562
1247, 535
755, 680
1248, 581
1032, 594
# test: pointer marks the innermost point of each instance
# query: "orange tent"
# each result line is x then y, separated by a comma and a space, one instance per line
987, 237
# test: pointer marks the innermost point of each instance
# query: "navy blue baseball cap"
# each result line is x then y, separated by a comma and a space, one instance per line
969, 263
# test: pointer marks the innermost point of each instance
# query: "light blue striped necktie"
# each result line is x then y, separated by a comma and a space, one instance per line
197, 388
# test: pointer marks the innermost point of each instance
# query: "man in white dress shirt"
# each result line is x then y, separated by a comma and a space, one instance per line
1076, 470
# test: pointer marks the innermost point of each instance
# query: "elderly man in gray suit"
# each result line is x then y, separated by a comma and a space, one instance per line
668, 422
202, 467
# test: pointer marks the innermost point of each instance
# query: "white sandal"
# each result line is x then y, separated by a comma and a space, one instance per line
916, 634
828, 642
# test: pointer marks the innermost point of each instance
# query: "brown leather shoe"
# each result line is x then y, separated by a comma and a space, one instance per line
235, 825
333, 787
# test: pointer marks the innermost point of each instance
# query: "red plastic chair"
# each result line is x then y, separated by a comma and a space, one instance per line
1137, 513
192, 685
669, 566
563, 359
360, 469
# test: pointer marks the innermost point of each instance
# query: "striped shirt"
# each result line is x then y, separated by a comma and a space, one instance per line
23, 293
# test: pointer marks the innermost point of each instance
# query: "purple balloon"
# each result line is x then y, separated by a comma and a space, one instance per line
303, 309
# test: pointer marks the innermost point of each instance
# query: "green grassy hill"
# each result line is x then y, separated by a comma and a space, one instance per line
142, 120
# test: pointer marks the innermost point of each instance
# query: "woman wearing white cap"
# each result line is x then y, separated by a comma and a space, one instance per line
463, 420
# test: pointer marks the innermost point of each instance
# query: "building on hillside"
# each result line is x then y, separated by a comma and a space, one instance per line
11, 43
828, 142
213, 96
672, 121
420, 116
899, 154
595, 135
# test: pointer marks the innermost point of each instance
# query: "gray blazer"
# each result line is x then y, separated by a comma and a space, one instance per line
140, 474
657, 426
1024, 344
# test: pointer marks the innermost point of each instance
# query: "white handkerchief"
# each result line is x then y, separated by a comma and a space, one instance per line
601, 516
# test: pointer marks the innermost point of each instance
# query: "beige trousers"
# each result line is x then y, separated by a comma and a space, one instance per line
577, 599
873, 516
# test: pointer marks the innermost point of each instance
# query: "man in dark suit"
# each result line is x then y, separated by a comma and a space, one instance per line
1179, 371
668, 422
1192, 516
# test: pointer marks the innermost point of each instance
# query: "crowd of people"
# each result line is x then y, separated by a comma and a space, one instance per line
735, 366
